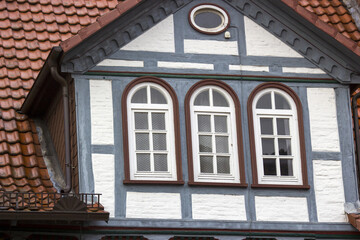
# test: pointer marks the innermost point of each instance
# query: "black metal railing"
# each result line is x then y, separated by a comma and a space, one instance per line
45, 201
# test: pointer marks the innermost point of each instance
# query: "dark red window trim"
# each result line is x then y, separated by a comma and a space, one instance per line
228, 89
297, 101
167, 87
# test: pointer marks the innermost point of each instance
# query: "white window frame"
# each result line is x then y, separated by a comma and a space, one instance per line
291, 114
132, 108
234, 176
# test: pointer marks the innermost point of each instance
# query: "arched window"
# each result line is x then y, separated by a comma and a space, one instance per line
214, 134
151, 132
276, 134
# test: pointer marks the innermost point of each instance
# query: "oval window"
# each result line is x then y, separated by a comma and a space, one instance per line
209, 19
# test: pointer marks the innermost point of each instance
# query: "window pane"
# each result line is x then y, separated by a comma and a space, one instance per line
286, 167
283, 127
142, 141
223, 164
204, 123
222, 144
160, 162
140, 96
141, 121
158, 121
159, 141
266, 125
157, 97
284, 146
281, 102
221, 124
219, 100
143, 162
269, 166
268, 146
206, 164
205, 144
264, 102
208, 19
202, 99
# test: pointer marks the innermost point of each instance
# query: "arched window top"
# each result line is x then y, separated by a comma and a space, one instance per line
277, 137
149, 93
211, 96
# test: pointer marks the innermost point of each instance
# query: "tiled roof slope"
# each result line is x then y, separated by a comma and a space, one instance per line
332, 17
28, 31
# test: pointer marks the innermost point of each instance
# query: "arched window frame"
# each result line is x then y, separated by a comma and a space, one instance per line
238, 170
175, 172
259, 180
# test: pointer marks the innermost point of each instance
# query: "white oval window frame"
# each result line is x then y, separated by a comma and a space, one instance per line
212, 8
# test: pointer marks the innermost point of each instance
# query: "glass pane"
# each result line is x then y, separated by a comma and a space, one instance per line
283, 127
208, 19
268, 146
222, 144
286, 167
140, 96
157, 97
160, 162
204, 123
264, 102
206, 164
202, 99
141, 121
221, 124
205, 144
266, 125
223, 164
281, 102
219, 100
142, 141
159, 141
143, 162
284, 146
269, 166
158, 121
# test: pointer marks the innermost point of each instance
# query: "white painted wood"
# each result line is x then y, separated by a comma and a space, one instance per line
104, 180
120, 63
153, 205
185, 65
101, 108
211, 47
329, 191
302, 70
159, 38
249, 68
284, 209
323, 119
259, 42
218, 207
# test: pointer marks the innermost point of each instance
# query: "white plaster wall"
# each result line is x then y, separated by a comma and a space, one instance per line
104, 180
159, 38
323, 119
120, 63
259, 42
249, 68
302, 70
218, 207
101, 108
153, 205
211, 47
289, 209
329, 191
185, 65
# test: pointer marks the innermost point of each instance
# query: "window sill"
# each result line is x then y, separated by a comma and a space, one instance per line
179, 182
306, 187
218, 184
